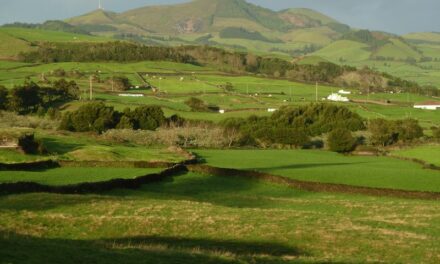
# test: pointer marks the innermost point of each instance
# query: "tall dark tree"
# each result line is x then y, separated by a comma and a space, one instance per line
3, 98
25, 99
341, 140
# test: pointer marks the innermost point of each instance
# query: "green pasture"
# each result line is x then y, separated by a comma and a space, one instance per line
328, 167
90, 148
196, 218
14, 156
67, 176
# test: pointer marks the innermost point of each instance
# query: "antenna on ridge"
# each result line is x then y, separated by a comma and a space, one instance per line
100, 5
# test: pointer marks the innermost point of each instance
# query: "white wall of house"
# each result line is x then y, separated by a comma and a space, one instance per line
427, 107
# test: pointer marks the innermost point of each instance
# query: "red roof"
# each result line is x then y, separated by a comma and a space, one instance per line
429, 103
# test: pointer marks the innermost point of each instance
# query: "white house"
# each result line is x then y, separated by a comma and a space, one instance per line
430, 105
337, 98
221, 111
271, 110
344, 92
131, 95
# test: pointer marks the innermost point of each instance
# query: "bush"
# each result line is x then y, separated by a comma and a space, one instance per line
29, 145
98, 117
388, 132
121, 83
196, 104
341, 140
90, 117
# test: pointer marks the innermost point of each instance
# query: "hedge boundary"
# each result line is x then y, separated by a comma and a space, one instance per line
314, 186
30, 166
51, 164
91, 187
426, 165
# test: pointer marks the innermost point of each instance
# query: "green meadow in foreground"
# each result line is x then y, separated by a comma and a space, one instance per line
328, 167
206, 219
66, 176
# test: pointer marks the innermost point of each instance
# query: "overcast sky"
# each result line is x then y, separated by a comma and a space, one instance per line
397, 16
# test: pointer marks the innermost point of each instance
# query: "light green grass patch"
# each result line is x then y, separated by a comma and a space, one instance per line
328, 167
67, 176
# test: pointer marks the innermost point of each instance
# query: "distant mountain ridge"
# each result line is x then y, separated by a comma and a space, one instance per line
205, 16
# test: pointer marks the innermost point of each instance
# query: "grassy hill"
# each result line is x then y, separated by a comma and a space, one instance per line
420, 37
303, 17
10, 46
15, 40
346, 50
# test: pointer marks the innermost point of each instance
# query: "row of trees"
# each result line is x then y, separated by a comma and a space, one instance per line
30, 97
303, 126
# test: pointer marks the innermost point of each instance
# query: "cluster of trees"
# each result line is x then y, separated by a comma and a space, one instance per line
388, 132
30, 97
98, 117
293, 126
111, 51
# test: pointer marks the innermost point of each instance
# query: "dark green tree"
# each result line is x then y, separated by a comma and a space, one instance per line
409, 129
3, 98
341, 140
94, 116
383, 132
25, 99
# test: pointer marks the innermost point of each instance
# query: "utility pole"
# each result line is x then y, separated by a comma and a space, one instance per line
316, 92
291, 100
113, 82
91, 88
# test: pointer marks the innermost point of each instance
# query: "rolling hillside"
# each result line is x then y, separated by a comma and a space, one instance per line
239, 25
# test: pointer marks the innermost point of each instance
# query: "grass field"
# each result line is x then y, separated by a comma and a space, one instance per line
84, 148
429, 154
36, 35
205, 219
13, 156
328, 167
67, 176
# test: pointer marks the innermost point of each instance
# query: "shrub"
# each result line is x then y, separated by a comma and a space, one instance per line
341, 140
409, 129
90, 117
388, 132
121, 83
196, 104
